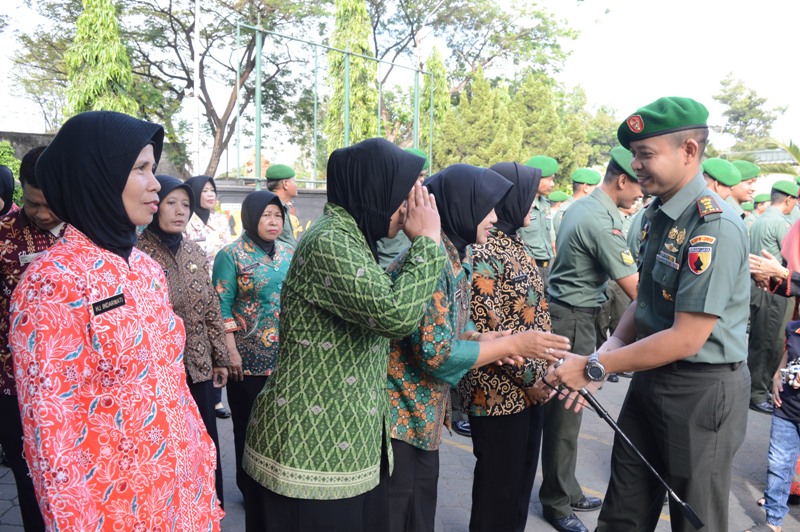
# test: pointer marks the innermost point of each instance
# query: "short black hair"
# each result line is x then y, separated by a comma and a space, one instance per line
27, 169
613, 170
272, 185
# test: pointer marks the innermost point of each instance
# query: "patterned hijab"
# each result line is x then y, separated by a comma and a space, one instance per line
370, 180
512, 211
198, 183
168, 183
253, 208
465, 195
85, 168
6, 188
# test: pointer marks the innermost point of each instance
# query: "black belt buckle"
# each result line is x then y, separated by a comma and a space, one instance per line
542, 263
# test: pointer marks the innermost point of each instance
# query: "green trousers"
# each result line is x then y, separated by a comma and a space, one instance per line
766, 342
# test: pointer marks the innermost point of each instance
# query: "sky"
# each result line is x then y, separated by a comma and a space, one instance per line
628, 53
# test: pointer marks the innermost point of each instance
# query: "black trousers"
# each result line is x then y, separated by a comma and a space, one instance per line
267, 511
766, 342
203, 394
688, 423
241, 396
413, 488
507, 452
11, 440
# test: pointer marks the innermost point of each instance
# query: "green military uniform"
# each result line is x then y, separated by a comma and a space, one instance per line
686, 417
585, 176
591, 248
767, 310
279, 172
390, 248
736, 207
538, 236
634, 237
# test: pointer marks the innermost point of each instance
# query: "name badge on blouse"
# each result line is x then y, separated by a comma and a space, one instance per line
107, 304
27, 258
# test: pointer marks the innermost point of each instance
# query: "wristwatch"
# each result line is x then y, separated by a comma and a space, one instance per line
595, 371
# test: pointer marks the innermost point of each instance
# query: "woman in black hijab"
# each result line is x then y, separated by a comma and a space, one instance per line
102, 388
424, 365
205, 356
504, 402
248, 278
6, 189
316, 448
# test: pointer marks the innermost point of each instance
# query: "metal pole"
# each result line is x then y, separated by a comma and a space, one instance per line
196, 45
258, 109
238, 105
316, 99
380, 98
430, 133
416, 108
347, 99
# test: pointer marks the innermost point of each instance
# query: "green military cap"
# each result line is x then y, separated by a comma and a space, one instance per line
747, 206
276, 172
665, 115
723, 171
419, 153
623, 159
587, 176
547, 165
748, 170
557, 196
787, 187
761, 198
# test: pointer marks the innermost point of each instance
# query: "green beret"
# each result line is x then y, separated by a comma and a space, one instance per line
723, 171
665, 115
748, 170
557, 196
276, 172
761, 198
547, 165
587, 176
419, 153
787, 187
623, 158
747, 206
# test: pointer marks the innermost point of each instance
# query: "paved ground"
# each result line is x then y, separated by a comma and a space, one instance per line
457, 463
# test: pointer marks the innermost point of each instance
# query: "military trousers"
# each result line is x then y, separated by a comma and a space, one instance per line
559, 487
611, 311
766, 343
688, 420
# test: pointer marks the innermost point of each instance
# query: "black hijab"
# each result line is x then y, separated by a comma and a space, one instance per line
370, 180
171, 240
253, 208
511, 212
85, 168
6, 188
465, 195
198, 183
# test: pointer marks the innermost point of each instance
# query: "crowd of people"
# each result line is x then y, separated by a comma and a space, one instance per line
474, 297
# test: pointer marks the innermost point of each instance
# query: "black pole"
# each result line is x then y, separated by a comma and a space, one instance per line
687, 511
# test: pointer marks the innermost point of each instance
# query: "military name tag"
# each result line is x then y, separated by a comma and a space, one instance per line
107, 304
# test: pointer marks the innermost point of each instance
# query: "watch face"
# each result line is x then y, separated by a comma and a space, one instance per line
595, 372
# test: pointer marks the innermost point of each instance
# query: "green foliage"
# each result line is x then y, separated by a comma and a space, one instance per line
97, 63
747, 119
601, 136
7, 158
435, 83
352, 33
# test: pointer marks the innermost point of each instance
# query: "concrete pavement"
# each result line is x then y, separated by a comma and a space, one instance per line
457, 462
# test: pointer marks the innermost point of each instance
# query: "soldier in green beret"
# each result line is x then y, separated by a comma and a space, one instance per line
760, 204
280, 181
683, 336
390, 248
768, 311
795, 214
584, 181
539, 235
721, 176
590, 250
744, 190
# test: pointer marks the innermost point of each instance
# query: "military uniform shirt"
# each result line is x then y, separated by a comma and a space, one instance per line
769, 231
538, 235
707, 272
736, 207
591, 248
795, 214
634, 235
560, 214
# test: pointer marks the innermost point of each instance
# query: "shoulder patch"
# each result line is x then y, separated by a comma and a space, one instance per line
707, 205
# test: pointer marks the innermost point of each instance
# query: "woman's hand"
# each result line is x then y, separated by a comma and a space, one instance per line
422, 217
767, 266
235, 369
540, 392
220, 377
541, 344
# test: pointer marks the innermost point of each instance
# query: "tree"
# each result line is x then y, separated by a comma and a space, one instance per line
436, 83
601, 135
352, 33
747, 119
98, 67
8, 158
